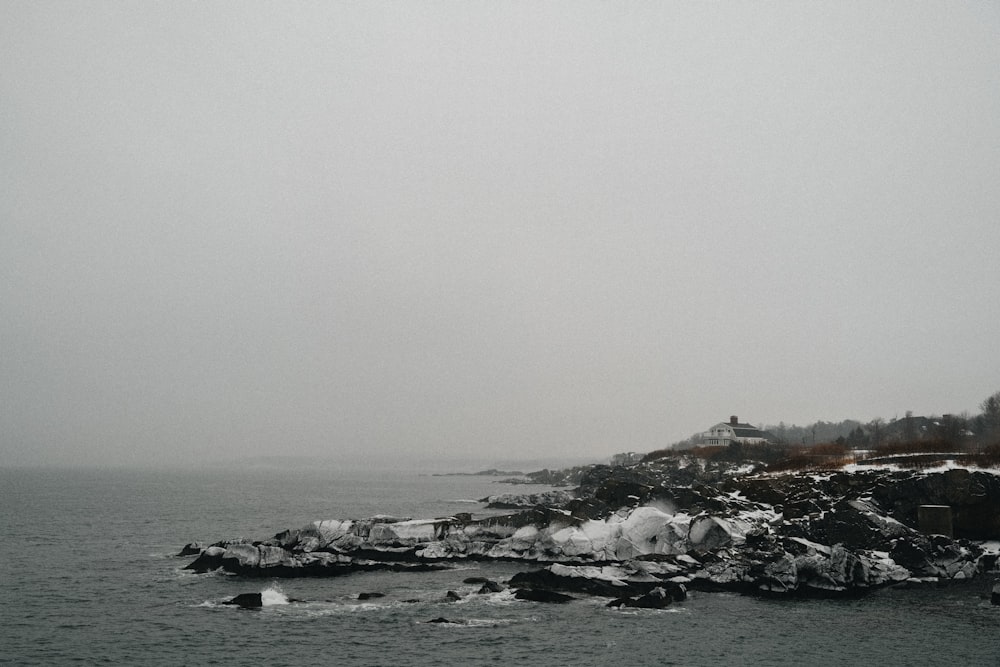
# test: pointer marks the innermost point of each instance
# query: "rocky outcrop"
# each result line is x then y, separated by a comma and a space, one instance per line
628, 531
658, 598
522, 501
974, 497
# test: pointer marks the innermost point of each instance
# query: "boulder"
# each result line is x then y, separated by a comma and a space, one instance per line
708, 533
490, 587
208, 560
241, 556
860, 524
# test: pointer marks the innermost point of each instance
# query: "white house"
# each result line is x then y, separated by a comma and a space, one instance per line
726, 433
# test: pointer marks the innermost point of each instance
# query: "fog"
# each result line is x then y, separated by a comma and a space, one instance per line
388, 232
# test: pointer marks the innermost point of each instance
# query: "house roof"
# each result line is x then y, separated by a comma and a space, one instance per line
746, 431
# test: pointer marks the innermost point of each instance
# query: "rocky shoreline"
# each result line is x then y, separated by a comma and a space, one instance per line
644, 534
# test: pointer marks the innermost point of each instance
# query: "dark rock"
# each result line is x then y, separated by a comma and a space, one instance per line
452, 596
490, 587
208, 560
858, 524
973, 496
618, 486
191, 549
542, 596
545, 579
995, 595
247, 601
936, 556
475, 580
658, 598
370, 596
989, 562
582, 509
442, 619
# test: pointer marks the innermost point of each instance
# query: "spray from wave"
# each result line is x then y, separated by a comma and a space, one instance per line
272, 596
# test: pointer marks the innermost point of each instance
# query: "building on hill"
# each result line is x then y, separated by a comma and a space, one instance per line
909, 428
626, 458
727, 433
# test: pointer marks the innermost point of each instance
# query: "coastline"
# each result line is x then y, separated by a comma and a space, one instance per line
680, 522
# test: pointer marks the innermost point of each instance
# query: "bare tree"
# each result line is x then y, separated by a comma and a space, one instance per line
909, 431
876, 429
991, 412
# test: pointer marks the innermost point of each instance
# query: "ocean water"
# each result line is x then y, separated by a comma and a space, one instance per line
88, 576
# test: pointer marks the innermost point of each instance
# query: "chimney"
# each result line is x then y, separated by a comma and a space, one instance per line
734, 420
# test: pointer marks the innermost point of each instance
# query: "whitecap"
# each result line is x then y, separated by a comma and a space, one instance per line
508, 596
488, 622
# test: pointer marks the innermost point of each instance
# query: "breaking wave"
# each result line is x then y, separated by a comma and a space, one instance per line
272, 596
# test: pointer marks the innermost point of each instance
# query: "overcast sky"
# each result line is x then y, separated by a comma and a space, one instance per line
385, 231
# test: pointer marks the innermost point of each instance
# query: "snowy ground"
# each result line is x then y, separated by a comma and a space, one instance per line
944, 466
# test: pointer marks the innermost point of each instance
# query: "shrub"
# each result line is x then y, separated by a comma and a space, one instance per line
838, 449
658, 454
824, 456
987, 457
926, 446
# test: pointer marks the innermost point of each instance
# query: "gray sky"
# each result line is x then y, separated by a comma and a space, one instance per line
376, 231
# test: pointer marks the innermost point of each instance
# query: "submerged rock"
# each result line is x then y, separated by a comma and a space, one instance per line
247, 601
490, 587
534, 595
658, 598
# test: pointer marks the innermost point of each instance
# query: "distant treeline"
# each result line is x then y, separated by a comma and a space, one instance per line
980, 428
820, 431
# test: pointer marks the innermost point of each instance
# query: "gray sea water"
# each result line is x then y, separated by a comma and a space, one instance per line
88, 576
